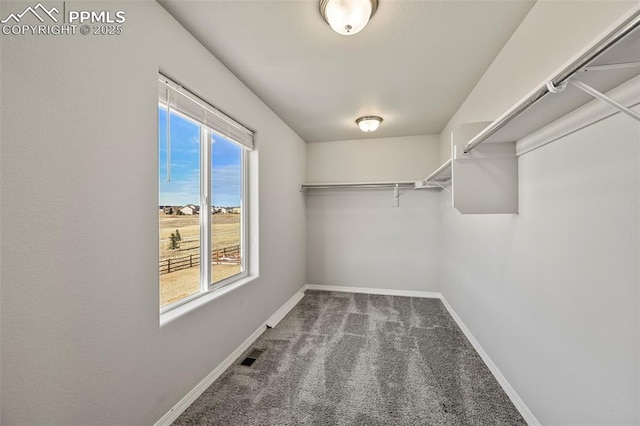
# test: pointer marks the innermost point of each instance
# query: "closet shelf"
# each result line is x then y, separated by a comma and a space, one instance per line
606, 64
396, 186
367, 185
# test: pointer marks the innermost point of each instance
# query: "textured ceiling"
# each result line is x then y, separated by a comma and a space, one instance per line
413, 65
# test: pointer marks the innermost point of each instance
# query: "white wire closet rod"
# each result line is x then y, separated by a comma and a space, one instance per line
439, 170
360, 185
559, 80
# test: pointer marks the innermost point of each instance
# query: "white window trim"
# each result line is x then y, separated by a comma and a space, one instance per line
208, 290
192, 303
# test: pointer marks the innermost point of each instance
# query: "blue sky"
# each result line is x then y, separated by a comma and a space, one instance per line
184, 187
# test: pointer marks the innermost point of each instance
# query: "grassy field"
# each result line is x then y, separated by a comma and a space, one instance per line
226, 230
226, 233
183, 283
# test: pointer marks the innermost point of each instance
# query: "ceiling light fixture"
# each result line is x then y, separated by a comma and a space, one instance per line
369, 123
348, 17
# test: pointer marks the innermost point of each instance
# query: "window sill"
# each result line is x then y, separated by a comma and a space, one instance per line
178, 311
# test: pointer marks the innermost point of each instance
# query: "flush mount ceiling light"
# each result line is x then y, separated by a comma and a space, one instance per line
369, 123
348, 17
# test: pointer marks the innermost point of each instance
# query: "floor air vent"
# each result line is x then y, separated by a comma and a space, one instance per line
251, 358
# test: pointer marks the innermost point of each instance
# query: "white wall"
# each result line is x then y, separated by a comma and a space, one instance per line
81, 340
372, 160
552, 293
355, 237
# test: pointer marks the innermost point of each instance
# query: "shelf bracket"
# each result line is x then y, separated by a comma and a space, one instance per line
556, 89
441, 186
604, 98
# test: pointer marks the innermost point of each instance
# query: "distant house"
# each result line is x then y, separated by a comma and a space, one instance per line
188, 210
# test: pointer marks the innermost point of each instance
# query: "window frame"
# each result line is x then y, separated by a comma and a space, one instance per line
244, 231
207, 286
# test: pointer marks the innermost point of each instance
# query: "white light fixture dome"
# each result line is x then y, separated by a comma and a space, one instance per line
369, 123
348, 17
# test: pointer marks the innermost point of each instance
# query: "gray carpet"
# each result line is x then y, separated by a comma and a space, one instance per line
358, 359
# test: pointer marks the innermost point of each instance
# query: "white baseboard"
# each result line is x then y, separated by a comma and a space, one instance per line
284, 309
511, 393
194, 393
386, 292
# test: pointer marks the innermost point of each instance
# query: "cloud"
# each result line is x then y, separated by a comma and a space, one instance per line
184, 188
226, 185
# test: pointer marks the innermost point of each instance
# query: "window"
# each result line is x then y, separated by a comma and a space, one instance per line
202, 211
